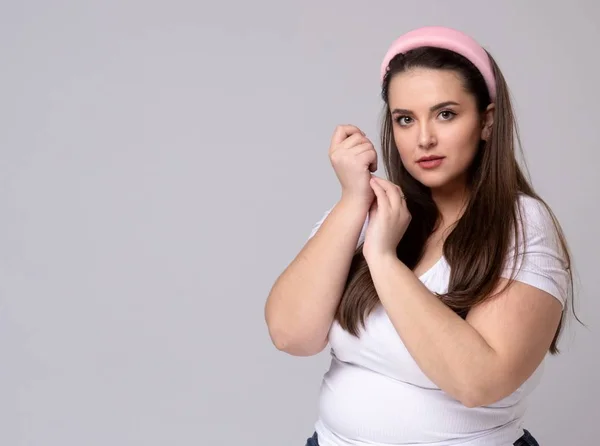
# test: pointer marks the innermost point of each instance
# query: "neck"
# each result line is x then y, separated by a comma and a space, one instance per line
450, 201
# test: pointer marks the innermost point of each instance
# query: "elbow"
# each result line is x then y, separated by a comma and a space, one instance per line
469, 391
294, 345
472, 400
473, 397
290, 340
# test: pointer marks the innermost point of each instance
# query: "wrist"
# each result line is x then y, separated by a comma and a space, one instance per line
377, 259
358, 204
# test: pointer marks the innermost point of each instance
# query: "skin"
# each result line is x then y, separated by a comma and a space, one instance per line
486, 357
452, 131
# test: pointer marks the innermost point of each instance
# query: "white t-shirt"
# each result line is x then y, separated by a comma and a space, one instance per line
374, 393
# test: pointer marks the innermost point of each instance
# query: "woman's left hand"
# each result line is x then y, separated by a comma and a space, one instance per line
388, 219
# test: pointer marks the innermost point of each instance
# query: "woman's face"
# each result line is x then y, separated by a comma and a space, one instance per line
437, 127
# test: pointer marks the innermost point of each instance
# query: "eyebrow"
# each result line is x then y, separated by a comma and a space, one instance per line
432, 109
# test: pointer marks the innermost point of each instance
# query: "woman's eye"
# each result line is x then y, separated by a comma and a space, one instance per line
446, 115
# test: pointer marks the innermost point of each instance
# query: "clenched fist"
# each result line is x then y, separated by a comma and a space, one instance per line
353, 158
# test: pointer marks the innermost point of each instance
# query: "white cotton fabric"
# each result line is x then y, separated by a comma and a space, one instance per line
374, 393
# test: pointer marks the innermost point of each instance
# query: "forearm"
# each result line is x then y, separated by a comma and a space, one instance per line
302, 303
446, 347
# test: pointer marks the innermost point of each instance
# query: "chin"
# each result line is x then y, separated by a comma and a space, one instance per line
433, 180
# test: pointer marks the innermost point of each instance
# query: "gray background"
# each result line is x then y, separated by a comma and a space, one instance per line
162, 162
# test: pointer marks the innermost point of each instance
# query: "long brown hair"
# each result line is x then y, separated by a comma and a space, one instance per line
477, 247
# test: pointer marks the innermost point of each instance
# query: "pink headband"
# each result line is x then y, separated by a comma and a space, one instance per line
447, 38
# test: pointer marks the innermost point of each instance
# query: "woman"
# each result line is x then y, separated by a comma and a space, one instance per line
440, 290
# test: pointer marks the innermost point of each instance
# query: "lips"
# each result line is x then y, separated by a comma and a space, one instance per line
430, 158
430, 162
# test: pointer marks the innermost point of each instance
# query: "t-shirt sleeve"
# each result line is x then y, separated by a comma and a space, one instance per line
318, 224
540, 262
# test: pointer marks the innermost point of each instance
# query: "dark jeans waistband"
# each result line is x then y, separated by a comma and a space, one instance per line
525, 440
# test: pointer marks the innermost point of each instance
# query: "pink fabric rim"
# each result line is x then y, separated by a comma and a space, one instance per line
447, 38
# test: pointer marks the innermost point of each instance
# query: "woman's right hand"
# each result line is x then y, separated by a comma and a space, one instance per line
353, 158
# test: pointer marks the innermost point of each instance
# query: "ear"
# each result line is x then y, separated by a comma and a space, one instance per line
487, 122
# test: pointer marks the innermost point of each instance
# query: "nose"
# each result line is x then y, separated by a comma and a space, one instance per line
427, 138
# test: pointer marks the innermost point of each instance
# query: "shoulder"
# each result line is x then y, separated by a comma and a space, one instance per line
536, 223
539, 258
534, 213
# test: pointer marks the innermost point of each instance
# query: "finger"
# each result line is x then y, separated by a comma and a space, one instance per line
349, 143
394, 193
388, 186
373, 210
342, 132
368, 155
373, 160
353, 140
383, 201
